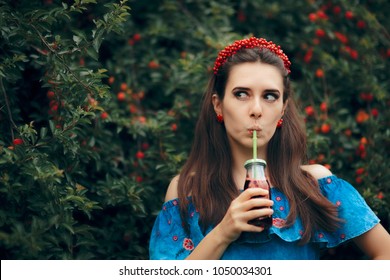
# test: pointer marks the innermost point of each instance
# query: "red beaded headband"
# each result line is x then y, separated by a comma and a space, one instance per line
250, 43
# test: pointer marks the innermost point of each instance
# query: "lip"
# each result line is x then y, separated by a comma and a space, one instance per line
251, 129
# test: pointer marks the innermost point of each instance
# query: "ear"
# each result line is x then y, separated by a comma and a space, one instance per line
284, 107
217, 103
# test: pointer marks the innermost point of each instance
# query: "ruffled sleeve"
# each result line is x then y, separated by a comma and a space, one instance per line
357, 216
169, 240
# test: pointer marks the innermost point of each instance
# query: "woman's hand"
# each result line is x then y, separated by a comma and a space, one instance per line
241, 211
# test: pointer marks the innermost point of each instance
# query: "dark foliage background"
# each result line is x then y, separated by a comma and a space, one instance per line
98, 100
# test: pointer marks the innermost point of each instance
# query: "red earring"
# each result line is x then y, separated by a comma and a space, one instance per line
219, 118
280, 123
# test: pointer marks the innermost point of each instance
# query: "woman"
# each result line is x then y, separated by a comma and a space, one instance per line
206, 212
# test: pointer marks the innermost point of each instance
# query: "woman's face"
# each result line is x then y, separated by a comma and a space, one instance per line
253, 101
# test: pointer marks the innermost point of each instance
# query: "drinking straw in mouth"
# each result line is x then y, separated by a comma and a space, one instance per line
254, 139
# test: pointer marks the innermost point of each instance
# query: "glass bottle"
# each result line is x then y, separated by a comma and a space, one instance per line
255, 178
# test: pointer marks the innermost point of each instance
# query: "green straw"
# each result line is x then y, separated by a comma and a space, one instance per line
254, 139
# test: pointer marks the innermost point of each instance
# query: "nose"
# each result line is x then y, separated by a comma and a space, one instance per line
256, 109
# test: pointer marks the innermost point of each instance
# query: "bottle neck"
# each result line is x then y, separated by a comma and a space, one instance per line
255, 171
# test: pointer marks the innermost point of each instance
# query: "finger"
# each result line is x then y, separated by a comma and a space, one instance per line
252, 228
258, 213
251, 192
259, 202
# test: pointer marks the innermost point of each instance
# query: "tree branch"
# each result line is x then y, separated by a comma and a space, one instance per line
13, 125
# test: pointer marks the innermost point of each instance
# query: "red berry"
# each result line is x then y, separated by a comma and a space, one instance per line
368, 97
361, 24
342, 38
374, 112
348, 132
18, 141
360, 171
349, 15
380, 195
92, 101
321, 14
363, 141
321, 157
319, 73
354, 54
141, 94
174, 127
136, 37
54, 107
312, 17
131, 42
111, 80
145, 146
121, 96
336, 10
327, 166
309, 111
133, 109
51, 94
323, 107
362, 116
325, 128
139, 179
308, 55
140, 155
359, 180
320, 33
142, 119
123, 86
153, 65
104, 115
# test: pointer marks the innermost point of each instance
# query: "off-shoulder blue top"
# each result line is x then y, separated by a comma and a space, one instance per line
169, 240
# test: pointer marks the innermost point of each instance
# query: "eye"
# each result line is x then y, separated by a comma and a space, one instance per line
241, 94
271, 96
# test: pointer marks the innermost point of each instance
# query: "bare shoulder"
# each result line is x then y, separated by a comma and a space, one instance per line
172, 189
318, 171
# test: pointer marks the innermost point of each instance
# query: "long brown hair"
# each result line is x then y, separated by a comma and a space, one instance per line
207, 174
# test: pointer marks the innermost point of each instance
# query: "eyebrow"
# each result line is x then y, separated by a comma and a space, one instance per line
240, 88
248, 89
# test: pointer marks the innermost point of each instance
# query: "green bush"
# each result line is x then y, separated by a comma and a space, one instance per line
98, 100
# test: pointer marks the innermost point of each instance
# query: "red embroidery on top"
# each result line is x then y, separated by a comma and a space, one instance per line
278, 222
188, 244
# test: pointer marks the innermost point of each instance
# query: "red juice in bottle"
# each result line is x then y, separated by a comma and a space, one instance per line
255, 178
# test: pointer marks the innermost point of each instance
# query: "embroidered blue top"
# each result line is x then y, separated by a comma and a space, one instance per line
169, 240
